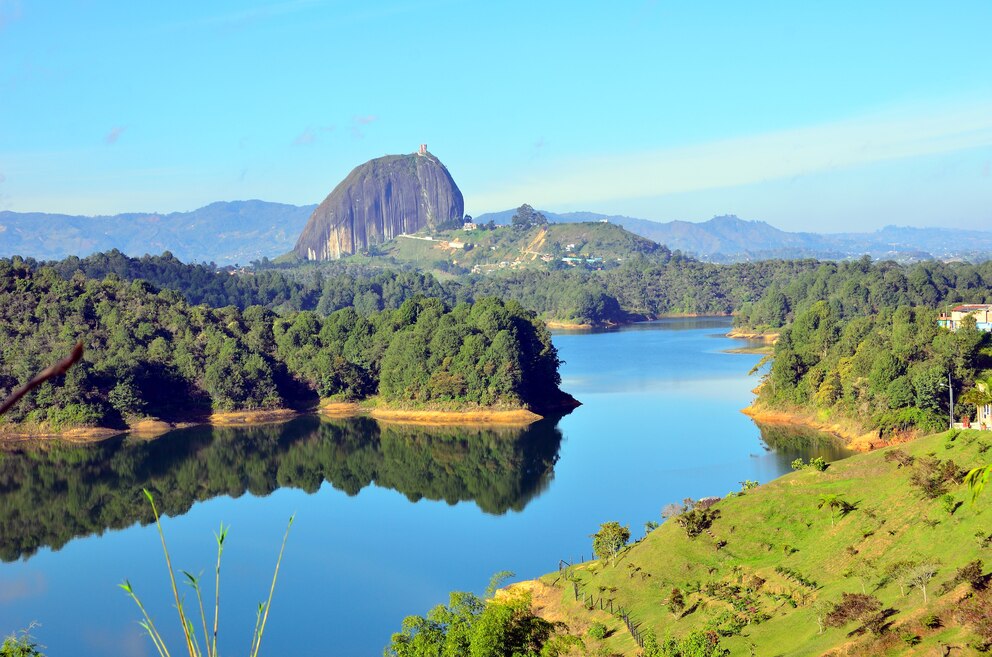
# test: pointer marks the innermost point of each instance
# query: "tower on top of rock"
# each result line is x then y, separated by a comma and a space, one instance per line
423, 150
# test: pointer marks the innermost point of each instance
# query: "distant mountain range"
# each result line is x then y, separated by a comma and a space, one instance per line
223, 232
730, 239
242, 231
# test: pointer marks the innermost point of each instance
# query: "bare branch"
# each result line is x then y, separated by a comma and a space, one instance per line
58, 369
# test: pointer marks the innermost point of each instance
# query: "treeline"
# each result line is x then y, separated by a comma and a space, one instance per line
52, 495
150, 353
863, 287
891, 370
639, 289
323, 289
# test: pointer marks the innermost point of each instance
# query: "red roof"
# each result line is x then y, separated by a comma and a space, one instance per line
972, 306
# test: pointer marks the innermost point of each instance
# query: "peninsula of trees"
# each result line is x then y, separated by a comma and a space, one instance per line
151, 354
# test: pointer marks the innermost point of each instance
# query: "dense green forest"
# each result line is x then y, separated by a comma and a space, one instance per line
891, 369
50, 495
639, 289
764, 295
860, 288
150, 353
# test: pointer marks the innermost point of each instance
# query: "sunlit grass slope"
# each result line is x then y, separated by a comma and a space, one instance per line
778, 556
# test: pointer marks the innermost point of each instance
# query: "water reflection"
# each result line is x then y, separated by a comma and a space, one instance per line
789, 442
54, 492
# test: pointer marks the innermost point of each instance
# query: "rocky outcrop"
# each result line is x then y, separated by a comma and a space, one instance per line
383, 198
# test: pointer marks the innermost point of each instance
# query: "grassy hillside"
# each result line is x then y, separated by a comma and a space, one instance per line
772, 563
587, 245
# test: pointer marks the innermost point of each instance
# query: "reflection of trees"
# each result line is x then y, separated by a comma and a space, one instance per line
792, 441
53, 493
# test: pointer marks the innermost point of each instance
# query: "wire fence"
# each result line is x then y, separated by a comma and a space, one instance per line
593, 601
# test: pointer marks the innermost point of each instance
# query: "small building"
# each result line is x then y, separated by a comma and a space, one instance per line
469, 225
981, 312
984, 419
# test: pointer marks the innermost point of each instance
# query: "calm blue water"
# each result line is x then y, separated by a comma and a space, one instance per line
387, 521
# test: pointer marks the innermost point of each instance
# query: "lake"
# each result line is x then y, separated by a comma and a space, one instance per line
388, 519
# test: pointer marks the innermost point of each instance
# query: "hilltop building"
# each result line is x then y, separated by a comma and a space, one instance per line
981, 312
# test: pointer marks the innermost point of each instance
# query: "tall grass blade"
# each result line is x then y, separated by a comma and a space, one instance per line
272, 588
172, 576
148, 624
195, 583
220, 536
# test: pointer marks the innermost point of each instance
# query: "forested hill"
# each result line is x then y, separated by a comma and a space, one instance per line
863, 287
151, 354
886, 372
638, 289
859, 344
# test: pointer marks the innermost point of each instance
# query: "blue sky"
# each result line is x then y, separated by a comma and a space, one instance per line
814, 116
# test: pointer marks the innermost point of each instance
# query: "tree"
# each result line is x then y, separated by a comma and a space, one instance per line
820, 610
609, 540
836, 504
862, 571
920, 576
527, 217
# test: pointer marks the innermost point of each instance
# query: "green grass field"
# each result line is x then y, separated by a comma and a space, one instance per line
771, 560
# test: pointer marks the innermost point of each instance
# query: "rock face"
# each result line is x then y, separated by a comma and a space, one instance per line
383, 198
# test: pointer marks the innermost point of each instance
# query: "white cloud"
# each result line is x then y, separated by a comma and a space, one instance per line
902, 133
309, 135
358, 121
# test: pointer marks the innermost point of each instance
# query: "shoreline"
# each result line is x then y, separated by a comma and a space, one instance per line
519, 417
571, 326
512, 417
770, 337
149, 428
854, 437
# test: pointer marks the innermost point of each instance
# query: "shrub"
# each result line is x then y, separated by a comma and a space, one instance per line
949, 504
900, 458
856, 607
818, 464
971, 573
676, 602
976, 611
22, 645
597, 631
931, 476
696, 521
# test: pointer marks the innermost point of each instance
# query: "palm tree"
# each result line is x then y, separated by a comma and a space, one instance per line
980, 395
834, 502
